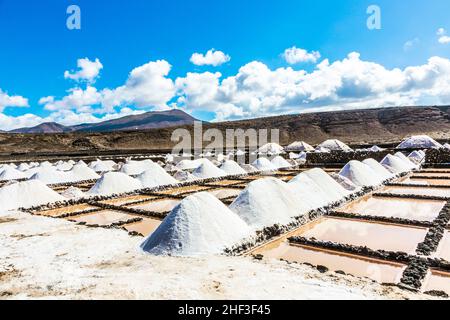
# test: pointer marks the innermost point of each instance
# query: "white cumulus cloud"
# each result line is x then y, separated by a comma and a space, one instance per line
11, 101
212, 57
296, 55
88, 70
443, 37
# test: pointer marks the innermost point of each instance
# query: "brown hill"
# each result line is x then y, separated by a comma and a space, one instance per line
356, 127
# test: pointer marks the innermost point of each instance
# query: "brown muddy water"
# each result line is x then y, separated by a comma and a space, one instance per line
425, 182
145, 227
381, 271
435, 192
421, 210
437, 280
102, 218
125, 200
225, 193
65, 210
377, 236
444, 247
163, 205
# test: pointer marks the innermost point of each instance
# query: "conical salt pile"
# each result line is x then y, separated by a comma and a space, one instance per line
155, 177
10, 173
360, 174
394, 164
199, 225
208, 170
114, 182
231, 167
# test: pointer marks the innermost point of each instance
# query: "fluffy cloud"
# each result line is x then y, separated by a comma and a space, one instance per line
147, 86
257, 90
212, 57
443, 37
88, 70
11, 101
296, 55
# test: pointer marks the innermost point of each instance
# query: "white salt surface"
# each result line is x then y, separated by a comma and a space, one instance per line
208, 170
184, 176
405, 159
382, 172
335, 145
231, 167
114, 182
191, 164
416, 157
322, 150
23, 166
299, 146
347, 184
201, 224
73, 193
361, 174
279, 162
263, 164
83, 172
421, 141
248, 168
101, 166
49, 175
446, 146
394, 164
266, 202
9, 173
155, 177
270, 148
26, 194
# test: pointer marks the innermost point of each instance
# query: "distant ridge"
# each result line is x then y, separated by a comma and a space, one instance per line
148, 120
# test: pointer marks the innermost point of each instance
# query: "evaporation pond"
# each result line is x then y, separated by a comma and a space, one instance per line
102, 218
163, 205
437, 281
434, 192
444, 247
145, 227
413, 209
425, 182
372, 235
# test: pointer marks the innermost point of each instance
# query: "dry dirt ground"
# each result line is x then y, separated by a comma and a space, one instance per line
43, 258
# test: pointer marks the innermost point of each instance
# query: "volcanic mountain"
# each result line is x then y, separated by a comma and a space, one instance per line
148, 120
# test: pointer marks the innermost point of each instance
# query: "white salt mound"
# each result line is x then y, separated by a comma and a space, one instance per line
73, 193
191, 164
240, 153
335, 145
248, 168
279, 163
421, 141
416, 157
360, 174
299, 146
208, 170
394, 164
114, 182
49, 175
132, 167
64, 166
155, 177
376, 149
321, 189
10, 173
231, 167
27, 194
270, 148
263, 164
201, 224
184, 176
446, 146
345, 183
23, 167
405, 159
266, 202
322, 150
382, 172
83, 172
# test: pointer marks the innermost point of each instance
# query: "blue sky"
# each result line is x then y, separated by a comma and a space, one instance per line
37, 49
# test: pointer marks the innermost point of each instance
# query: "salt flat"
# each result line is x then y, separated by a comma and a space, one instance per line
52, 258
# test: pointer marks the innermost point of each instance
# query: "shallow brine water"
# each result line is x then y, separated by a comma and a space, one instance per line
431, 174
377, 270
164, 205
425, 182
187, 189
65, 210
225, 193
421, 210
435, 192
376, 236
102, 218
124, 200
437, 280
145, 227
